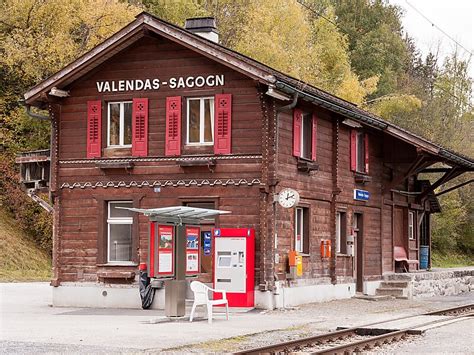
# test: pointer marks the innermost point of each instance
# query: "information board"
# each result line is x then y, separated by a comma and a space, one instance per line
165, 250
192, 250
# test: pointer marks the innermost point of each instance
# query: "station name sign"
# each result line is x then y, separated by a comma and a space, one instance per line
361, 195
155, 83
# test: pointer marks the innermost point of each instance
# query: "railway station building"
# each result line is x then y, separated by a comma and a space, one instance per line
159, 116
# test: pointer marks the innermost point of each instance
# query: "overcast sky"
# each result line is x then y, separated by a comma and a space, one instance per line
455, 17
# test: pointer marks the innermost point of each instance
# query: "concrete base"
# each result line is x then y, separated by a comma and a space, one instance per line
284, 297
127, 296
371, 286
102, 296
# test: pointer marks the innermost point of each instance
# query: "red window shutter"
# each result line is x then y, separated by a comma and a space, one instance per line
173, 126
222, 123
366, 143
94, 128
314, 137
297, 121
140, 127
354, 150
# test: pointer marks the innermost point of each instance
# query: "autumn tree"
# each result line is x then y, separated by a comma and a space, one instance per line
38, 38
376, 44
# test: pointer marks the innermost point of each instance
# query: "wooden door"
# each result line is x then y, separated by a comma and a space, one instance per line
398, 228
359, 257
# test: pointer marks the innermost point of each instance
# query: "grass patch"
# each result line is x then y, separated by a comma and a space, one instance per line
21, 259
451, 260
235, 343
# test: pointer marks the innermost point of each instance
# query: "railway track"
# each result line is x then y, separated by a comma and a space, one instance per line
361, 338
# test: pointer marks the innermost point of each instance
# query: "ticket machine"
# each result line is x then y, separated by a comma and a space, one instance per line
234, 264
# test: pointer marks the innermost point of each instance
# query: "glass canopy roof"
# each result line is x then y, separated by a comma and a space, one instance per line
177, 214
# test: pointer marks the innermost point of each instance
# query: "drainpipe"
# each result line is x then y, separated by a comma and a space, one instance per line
336, 190
34, 115
289, 106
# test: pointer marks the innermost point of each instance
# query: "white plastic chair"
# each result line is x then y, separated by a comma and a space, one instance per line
201, 297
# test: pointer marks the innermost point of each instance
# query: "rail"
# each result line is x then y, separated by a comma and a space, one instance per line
358, 338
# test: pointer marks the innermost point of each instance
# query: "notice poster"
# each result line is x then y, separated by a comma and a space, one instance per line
192, 259
165, 262
165, 250
192, 250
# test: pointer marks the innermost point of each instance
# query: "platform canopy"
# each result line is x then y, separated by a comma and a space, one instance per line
178, 214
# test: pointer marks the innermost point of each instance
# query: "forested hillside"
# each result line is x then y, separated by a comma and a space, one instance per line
356, 49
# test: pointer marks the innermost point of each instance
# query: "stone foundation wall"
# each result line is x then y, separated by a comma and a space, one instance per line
442, 283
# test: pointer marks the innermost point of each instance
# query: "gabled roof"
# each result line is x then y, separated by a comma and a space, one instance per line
241, 63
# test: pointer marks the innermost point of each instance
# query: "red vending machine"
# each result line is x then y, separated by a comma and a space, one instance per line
234, 264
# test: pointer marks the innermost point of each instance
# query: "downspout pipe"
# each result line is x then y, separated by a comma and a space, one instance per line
290, 106
35, 115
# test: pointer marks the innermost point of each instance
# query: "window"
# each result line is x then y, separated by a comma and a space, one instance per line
119, 124
359, 152
200, 121
411, 221
302, 230
119, 225
304, 135
360, 157
307, 136
341, 240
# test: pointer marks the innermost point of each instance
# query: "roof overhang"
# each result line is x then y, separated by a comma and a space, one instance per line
370, 120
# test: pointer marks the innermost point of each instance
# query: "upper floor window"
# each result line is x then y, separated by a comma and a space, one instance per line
119, 124
359, 152
119, 230
200, 121
307, 136
304, 135
127, 126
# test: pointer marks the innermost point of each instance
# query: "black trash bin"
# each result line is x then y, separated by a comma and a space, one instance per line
146, 291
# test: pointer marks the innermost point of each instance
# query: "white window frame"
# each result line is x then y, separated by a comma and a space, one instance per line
201, 120
121, 124
301, 246
117, 220
411, 225
338, 232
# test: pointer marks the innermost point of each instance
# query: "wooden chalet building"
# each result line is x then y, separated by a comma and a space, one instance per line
158, 116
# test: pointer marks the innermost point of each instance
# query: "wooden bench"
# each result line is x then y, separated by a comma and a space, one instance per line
400, 255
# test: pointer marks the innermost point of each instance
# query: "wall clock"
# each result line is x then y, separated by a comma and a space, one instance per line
288, 198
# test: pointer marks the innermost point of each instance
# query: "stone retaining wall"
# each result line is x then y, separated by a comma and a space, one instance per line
437, 282
442, 283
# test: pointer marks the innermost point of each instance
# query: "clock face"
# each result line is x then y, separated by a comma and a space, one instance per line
288, 198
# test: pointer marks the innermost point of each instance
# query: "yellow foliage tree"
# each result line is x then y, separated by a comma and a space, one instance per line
40, 37
283, 35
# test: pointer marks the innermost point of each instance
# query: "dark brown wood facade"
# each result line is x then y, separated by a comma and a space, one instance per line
244, 182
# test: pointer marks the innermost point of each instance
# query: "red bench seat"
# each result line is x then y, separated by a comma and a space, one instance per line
400, 255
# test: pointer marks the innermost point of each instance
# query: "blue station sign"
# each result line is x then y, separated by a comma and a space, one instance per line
361, 195
207, 243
